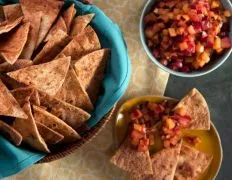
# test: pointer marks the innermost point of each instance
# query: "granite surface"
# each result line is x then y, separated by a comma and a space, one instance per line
217, 89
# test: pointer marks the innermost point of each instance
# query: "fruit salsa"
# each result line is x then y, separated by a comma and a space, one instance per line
145, 118
185, 35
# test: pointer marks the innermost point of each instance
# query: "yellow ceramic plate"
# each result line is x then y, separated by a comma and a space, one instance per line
211, 142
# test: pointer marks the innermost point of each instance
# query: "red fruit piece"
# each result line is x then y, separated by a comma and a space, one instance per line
136, 114
210, 41
183, 120
136, 135
156, 53
225, 43
185, 69
143, 145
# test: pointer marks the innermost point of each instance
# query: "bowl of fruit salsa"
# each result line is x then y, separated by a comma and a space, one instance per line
187, 38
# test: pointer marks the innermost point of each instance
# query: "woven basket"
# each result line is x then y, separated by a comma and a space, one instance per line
62, 151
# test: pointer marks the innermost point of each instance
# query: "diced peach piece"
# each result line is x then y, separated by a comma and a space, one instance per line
227, 13
199, 48
181, 111
196, 141
217, 43
183, 46
185, 7
215, 4
219, 50
139, 128
186, 17
201, 60
191, 30
169, 123
170, 15
165, 32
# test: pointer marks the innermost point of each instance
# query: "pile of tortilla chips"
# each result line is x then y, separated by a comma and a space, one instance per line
51, 70
180, 162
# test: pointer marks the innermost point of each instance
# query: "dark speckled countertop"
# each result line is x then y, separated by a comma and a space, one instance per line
217, 89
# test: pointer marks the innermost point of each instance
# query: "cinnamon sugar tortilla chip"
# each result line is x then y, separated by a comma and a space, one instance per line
35, 20
197, 108
82, 44
10, 133
59, 25
12, 45
164, 165
131, 160
80, 23
68, 15
50, 136
55, 124
27, 128
7, 26
47, 77
19, 64
6, 67
73, 116
72, 92
55, 44
12, 11
8, 104
90, 70
192, 163
26, 94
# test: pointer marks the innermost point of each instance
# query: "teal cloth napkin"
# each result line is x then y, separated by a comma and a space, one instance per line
14, 159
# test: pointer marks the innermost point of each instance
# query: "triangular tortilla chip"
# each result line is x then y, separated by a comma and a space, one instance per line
80, 23
8, 104
196, 107
59, 25
35, 20
52, 47
68, 15
55, 124
82, 44
19, 64
49, 10
6, 67
90, 70
131, 160
73, 116
192, 163
50, 137
12, 45
164, 165
12, 11
72, 92
10, 133
47, 77
7, 26
27, 128
26, 94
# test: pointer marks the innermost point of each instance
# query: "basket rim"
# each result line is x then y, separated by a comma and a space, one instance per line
89, 136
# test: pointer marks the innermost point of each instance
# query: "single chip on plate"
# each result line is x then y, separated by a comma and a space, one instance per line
10, 133
50, 136
28, 129
164, 165
12, 44
192, 163
68, 15
196, 107
47, 77
56, 124
59, 25
73, 116
80, 23
7, 26
131, 160
73, 92
90, 70
82, 44
8, 104
12, 11
55, 44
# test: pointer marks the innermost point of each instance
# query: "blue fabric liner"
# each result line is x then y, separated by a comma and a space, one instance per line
14, 159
